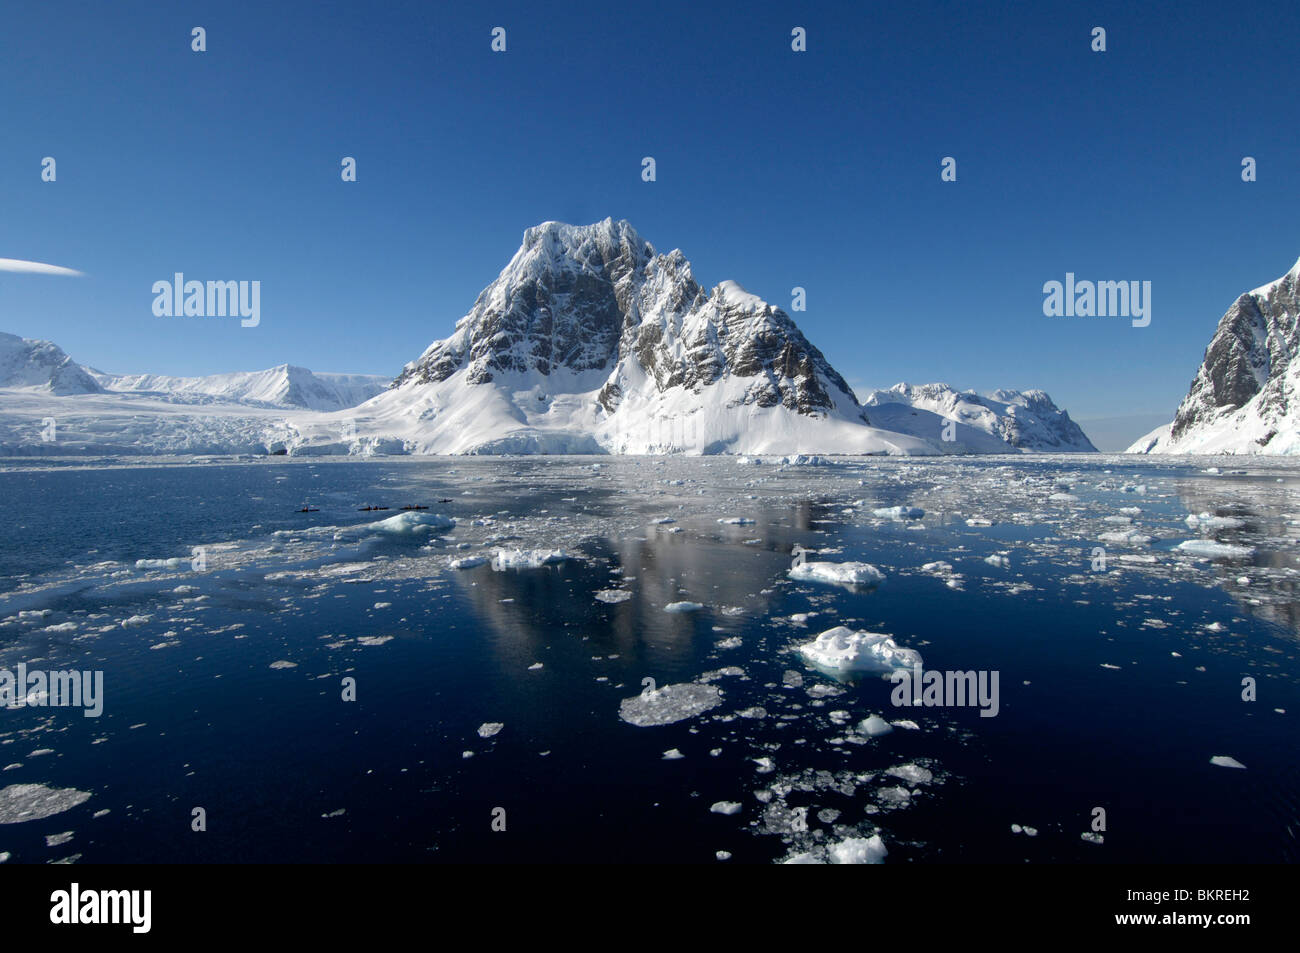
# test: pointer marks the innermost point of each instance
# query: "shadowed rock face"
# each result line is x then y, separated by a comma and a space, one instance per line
592, 298
1248, 359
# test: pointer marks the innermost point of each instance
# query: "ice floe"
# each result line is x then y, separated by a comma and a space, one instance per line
840, 574
669, 704
843, 650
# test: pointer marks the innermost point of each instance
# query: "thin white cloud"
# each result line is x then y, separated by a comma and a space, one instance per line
36, 268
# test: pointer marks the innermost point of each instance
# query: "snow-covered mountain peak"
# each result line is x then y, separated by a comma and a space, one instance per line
33, 363
732, 294
1002, 421
1245, 397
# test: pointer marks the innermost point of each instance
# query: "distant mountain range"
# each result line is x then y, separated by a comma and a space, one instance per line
1245, 397
589, 341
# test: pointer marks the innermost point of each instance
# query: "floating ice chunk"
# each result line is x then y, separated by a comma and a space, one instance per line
1132, 536
527, 558
911, 773
283, 664
1091, 838
732, 643
535, 666
383, 605
858, 850
374, 639
725, 807
844, 650
683, 607
737, 521
175, 562
1211, 549
721, 855
999, 560
840, 574
979, 521
765, 765
613, 596
662, 521
409, 523
874, 726
1210, 521
899, 512
136, 620
907, 723
1223, 761
467, 562
669, 704
489, 728
851, 850
34, 802
672, 754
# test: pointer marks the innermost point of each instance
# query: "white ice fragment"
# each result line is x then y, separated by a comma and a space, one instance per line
911, 773
874, 726
467, 562
669, 704
1224, 761
844, 650
489, 728
899, 512
34, 802
683, 607
725, 807
842, 574
1211, 549
527, 558
613, 596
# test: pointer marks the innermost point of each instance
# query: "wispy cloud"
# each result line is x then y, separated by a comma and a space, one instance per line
36, 268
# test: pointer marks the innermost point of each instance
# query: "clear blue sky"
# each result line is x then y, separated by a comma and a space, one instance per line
775, 169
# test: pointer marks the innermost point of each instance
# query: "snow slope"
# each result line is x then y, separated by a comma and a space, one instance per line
1245, 398
1005, 421
282, 386
27, 363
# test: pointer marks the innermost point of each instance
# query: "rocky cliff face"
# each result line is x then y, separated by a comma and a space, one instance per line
1245, 397
581, 299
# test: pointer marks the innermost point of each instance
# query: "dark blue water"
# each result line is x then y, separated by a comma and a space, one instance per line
285, 769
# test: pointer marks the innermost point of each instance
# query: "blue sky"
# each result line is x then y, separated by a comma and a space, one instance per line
775, 169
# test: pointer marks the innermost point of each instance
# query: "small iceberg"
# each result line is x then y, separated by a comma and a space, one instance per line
899, 512
839, 574
843, 650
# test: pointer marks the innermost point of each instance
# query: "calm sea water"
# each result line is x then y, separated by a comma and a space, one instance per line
1117, 683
